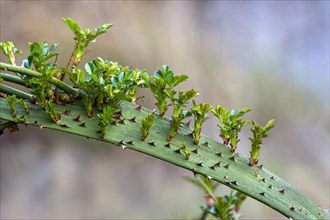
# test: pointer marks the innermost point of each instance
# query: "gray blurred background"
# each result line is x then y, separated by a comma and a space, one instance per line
271, 56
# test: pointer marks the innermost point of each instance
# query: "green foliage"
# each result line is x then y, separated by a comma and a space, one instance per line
221, 207
50, 108
12, 104
83, 38
185, 151
106, 118
40, 55
161, 85
41, 87
179, 101
107, 83
10, 50
230, 124
146, 124
24, 105
200, 116
259, 133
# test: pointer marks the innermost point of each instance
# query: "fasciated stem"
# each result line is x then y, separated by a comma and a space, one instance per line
65, 87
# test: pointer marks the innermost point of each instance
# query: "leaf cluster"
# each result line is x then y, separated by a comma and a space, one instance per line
107, 83
10, 50
161, 85
50, 108
230, 124
12, 104
221, 207
146, 124
200, 116
106, 118
38, 60
179, 101
83, 38
259, 133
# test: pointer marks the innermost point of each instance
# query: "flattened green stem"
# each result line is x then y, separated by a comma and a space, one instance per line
13, 79
65, 87
12, 91
215, 161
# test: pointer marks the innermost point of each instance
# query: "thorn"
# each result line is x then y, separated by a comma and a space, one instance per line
130, 142
123, 146
132, 120
199, 164
120, 113
226, 177
218, 164
122, 122
234, 182
191, 134
187, 123
226, 166
262, 194
138, 108
114, 123
195, 151
227, 182
270, 186
83, 124
282, 191
260, 166
121, 142
178, 151
168, 145
194, 172
292, 208
152, 143
272, 177
232, 158
263, 180
65, 126
77, 119
67, 112
206, 144
219, 154
213, 167
116, 116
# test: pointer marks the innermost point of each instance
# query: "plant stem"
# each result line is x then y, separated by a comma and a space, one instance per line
204, 215
65, 87
12, 91
13, 79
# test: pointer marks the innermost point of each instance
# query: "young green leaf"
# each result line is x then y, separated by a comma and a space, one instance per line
105, 118
12, 104
24, 105
259, 133
10, 50
82, 38
50, 108
200, 116
230, 124
147, 123
179, 101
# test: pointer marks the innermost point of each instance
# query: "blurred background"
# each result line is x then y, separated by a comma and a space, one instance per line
270, 56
